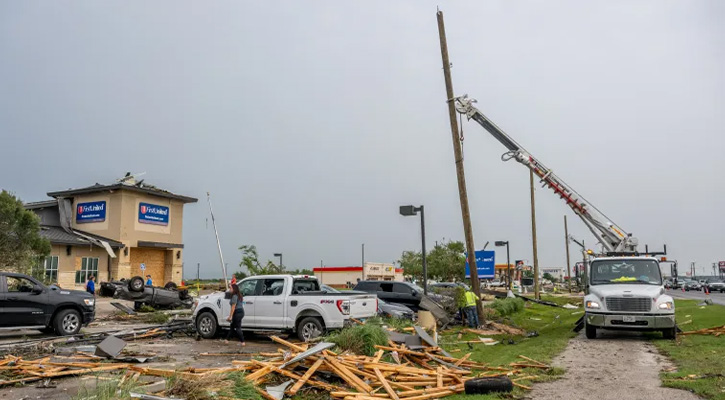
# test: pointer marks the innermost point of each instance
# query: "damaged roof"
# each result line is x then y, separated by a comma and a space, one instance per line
57, 235
138, 187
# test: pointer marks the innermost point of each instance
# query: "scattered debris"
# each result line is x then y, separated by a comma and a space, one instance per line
717, 331
110, 347
707, 302
570, 306
278, 391
23, 371
128, 310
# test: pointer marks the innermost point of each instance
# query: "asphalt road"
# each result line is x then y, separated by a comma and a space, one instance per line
717, 298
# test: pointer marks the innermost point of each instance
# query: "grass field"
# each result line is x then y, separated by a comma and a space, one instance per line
700, 359
554, 328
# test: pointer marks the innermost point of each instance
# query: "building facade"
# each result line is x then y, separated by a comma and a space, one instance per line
341, 277
112, 232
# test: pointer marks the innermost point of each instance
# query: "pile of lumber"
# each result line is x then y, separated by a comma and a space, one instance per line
15, 370
717, 331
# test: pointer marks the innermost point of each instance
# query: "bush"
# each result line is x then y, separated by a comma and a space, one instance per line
360, 339
507, 306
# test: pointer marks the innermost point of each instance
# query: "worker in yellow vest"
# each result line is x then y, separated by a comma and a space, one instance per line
471, 312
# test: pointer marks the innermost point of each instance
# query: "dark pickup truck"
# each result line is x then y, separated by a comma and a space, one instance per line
25, 303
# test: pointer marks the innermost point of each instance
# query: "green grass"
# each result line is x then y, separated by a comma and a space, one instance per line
156, 317
696, 355
360, 339
507, 306
554, 326
241, 389
107, 390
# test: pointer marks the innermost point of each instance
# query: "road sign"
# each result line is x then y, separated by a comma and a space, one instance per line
485, 264
143, 267
722, 266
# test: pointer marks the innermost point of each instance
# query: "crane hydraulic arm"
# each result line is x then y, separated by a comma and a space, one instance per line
611, 236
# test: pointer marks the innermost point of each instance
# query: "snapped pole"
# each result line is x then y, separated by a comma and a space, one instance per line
221, 257
566, 241
458, 157
537, 295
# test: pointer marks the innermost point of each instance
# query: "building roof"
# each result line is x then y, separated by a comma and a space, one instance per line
57, 235
41, 204
137, 187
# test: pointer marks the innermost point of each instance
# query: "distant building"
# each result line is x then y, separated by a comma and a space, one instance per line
112, 232
558, 273
340, 277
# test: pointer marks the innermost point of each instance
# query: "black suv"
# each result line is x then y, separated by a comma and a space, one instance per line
26, 303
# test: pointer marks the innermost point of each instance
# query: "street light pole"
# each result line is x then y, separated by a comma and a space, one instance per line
281, 267
500, 243
407, 211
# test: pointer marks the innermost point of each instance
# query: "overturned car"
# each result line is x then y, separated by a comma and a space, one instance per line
134, 289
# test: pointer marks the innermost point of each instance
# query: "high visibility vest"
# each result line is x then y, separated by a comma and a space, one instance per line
470, 299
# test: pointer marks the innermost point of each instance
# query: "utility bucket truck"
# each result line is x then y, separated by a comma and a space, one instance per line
624, 288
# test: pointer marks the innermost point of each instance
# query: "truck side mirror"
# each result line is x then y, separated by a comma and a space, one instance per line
413, 292
37, 289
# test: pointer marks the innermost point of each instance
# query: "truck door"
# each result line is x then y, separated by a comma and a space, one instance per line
269, 307
248, 289
22, 306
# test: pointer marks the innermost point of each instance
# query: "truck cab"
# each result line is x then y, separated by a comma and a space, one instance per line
627, 293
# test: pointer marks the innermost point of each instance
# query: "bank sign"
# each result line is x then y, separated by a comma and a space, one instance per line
485, 264
153, 214
91, 212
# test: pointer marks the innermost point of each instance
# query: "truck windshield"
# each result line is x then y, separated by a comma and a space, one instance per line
625, 271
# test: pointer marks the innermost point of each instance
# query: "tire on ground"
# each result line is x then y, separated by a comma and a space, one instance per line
170, 285
309, 328
206, 325
136, 284
488, 385
67, 322
591, 331
670, 333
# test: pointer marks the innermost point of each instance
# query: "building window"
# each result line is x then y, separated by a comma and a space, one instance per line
49, 270
89, 266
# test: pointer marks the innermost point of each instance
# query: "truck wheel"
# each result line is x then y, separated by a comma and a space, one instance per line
309, 328
206, 325
136, 284
591, 331
67, 322
170, 285
669, 333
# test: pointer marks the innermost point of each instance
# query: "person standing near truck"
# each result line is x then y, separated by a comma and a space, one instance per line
149, 282
471, 312
91, 285
237, 313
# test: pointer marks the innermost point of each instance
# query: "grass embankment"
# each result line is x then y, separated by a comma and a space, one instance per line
554, 328
700, 359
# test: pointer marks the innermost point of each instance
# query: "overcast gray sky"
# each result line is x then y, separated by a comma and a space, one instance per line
311, 122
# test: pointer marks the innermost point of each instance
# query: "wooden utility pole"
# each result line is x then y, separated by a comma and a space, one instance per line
537, 295
458, 157
566, 241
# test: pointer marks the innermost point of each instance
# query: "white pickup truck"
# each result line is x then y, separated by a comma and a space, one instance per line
627, 293
291, 303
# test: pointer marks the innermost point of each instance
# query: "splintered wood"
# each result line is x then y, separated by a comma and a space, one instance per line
717, 331
18, 370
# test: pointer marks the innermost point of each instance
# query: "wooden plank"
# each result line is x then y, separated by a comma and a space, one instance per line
386, 385
378, 356
348, 376
439, 376
462, 359
521, 386
305, 377
288, 344
533, 361
254, 376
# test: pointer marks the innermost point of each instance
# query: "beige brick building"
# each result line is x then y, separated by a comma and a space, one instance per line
113, 231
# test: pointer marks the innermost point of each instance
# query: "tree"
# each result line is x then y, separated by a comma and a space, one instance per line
250, 260
303, 272
240, 275
412, 264
21, 246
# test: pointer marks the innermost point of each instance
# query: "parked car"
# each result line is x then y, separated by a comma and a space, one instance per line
386, 309
691, 285
405, 293
715, 285
135, 290
497, 283
28, 304
286, 303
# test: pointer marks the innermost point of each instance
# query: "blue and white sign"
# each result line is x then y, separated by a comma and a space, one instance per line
94, 211
485, 264
153, 214
143, 267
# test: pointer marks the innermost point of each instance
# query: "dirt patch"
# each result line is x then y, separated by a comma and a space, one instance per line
620, 366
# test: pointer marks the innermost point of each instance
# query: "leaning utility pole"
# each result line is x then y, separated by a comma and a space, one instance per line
458, 157
537, 295
566, 240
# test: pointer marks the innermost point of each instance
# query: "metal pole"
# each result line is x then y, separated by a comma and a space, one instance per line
508, 266
566, 240
221, 257
198, 290
537, 295
585, 280
363, 261
425, 265
458, 157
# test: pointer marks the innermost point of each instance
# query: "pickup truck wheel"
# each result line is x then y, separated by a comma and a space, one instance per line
309, 328
591, 331
136, 284
67, 322
206, 325
670, 333
170, 285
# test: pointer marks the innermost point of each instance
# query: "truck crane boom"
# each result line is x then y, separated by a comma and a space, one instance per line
609, 234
